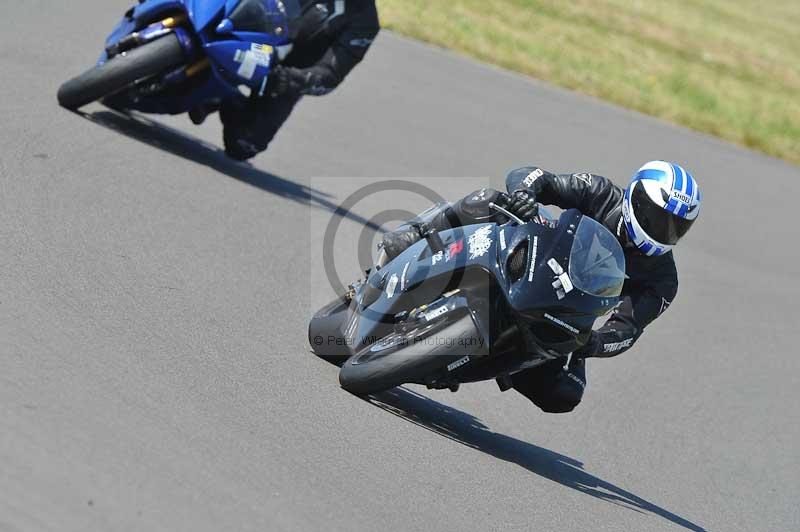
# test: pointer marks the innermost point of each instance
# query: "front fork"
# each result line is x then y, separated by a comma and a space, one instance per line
171, 24
153, 31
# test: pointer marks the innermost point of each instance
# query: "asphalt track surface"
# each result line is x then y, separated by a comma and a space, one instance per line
154, 298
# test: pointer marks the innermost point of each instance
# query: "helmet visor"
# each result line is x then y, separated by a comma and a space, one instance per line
659, 224
273, 17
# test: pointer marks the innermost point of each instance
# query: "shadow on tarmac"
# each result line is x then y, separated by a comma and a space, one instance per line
470, 431
183, 145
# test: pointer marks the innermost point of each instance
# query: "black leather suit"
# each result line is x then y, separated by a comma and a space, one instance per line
647, 293
333, 37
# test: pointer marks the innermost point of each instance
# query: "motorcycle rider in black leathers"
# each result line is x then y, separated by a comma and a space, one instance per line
332, 37
657, 208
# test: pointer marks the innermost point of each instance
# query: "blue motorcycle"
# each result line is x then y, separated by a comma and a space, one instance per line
170, 56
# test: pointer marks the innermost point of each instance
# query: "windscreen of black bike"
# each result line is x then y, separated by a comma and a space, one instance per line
596, 262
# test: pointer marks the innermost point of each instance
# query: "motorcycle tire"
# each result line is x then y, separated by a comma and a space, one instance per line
121, 71
362, 375
325, 332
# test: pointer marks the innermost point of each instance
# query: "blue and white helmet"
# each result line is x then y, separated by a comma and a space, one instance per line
661, 203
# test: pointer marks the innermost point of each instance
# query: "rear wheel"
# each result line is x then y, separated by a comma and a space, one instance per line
381, 366
120, 71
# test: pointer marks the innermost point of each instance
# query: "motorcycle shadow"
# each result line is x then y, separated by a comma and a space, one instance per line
468, 430
176, 142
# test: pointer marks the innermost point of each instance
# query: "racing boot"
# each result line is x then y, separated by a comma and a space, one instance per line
240, 130
198, 114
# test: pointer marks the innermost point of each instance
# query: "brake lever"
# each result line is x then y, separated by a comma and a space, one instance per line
500, 209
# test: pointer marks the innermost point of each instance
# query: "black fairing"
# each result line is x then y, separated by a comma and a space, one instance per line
536, 301
508, 288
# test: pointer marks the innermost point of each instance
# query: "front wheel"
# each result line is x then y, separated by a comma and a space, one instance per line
381, 367
325, 332
121, 71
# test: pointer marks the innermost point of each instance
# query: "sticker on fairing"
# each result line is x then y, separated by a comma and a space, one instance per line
403, 276
262, 53
258, 55
248, 64
479, 242
391, 285
458, 363
533, 258
454, 249
433, 314
555, 266
564, 324
566, 282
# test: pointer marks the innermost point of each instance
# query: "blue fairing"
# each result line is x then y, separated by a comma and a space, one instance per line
229, 5
261, 38
142, 15
204, 12
226, 52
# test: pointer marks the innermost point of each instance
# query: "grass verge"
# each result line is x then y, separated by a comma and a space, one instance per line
726, 67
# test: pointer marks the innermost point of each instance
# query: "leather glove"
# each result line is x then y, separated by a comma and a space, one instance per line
521, 203
283, 81
395, 242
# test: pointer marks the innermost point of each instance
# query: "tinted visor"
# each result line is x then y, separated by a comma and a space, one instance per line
659, 224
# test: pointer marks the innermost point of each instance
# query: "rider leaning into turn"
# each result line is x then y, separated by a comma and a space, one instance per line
332, 37
648, 218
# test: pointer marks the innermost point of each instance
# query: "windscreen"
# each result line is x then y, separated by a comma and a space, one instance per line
274, 17
596, 261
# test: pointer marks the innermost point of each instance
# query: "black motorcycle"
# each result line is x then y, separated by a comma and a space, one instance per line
473, 303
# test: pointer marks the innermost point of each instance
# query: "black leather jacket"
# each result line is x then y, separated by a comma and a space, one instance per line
652, 282
333, 37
